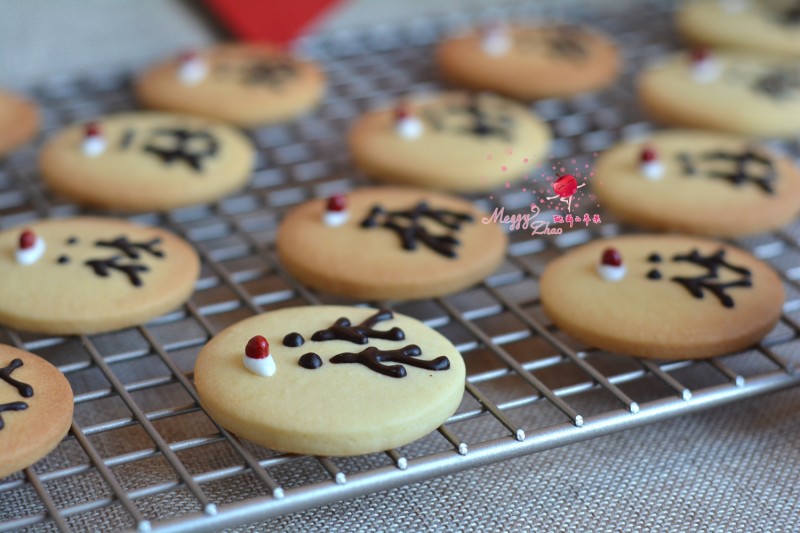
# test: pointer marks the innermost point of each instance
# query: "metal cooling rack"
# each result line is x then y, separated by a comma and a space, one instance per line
143, 455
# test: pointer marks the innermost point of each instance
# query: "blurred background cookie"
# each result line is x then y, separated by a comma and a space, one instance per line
698, 182
146, 161
530, 62
246, 84
767, 26
19, 121
447, 141
727, 91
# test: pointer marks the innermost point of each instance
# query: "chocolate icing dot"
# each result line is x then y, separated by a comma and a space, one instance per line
310, 361
293, 340
72, 240
63, 259
654, 274
654, 258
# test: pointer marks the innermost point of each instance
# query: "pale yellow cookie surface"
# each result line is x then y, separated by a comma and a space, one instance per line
152, 162
81, 286
371, 263
541, 62
335, 409
767, 27
36, 415
712, 184
19, 121
752, 94
456, 150
655, 316
248, 85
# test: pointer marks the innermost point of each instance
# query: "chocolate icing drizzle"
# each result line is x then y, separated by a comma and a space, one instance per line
743, 164
481, 121
23, 389
269, 71
780, 83
293, 340
342, 330
130, 248
191, 147
407, 225
704, 282
373, 358
102, 268
562, 42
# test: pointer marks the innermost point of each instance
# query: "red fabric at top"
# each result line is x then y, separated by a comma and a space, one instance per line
273, 21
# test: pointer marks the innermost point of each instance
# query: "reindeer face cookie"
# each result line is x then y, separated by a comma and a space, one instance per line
389, 243
699, 182
530, 62
443, 141
88, 275
726, 91
330, 380
248, 85
147, 161
35, 408
661, 296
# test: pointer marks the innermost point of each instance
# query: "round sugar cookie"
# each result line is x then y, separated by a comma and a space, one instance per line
36, 406
726, 91
330, 380
450, 141
147, 162
530, 62
698, 182
662, 296
769, 27
245, 84
19, 122
389, 243
91, 274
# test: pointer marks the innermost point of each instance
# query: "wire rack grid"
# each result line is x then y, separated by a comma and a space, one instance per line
142, 454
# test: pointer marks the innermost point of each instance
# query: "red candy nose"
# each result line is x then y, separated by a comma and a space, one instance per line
257, 348
92, 129
565, 186
27, 239
648, 155
611, 257
401, 112
700, 54
337, 203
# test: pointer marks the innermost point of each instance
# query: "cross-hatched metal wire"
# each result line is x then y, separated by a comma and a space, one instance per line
143, 455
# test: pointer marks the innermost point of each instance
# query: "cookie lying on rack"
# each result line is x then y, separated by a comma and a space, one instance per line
389, 243
245, 84
19, 121
36, 406
450, 141
726, 91
330, 380
770, 27
530, 62
699, 182
662, 296
90, 275
147, 161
